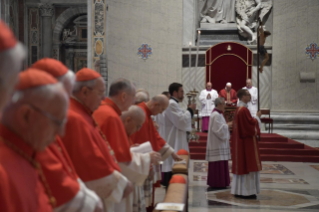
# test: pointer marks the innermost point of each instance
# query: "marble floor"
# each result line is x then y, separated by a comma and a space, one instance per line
285, 186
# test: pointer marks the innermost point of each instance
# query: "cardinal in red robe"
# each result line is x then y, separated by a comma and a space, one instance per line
67, 188
90, 152
229, 95
134, 166
148, 132
24, 184
245, 152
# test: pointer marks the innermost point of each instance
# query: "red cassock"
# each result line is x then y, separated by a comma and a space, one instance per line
108, 118
86, 147
21, 189
244, 146
232, 96
148, 132
59, 172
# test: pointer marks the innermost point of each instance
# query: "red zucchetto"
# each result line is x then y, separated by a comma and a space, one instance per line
182, 152
86, 74
32, 78
177, 179
7, 38
51, 66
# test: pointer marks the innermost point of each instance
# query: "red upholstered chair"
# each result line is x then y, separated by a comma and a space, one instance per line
268, 120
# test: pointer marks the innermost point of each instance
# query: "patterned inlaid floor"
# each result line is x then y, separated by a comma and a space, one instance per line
202, 167
315, 167
262, 180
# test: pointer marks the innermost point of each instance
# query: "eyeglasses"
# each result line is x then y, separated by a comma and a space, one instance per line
59, 123
99, 92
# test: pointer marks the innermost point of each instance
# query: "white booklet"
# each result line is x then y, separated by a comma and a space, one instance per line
180, 162
143, 148
170, 206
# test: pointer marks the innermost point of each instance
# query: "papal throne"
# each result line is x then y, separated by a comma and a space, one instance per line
228, 62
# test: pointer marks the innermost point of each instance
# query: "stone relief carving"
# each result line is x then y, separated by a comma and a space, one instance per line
218, 11
246, 16
69, 35
46, 9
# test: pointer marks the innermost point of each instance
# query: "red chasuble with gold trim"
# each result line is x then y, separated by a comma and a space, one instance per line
148, 132
21, 189
108, 118
232, 95
59, 171
244, 146
87, 149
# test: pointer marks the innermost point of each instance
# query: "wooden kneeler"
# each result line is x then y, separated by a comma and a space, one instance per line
181, 168
177, 191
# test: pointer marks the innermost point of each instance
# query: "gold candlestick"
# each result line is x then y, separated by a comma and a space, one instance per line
192, 136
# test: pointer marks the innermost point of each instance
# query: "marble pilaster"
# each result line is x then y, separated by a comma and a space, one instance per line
46, 11
97, 35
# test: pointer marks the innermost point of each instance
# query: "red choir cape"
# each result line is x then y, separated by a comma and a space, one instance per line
148, 132
233, 95
59, 171
244, 146
21, 187
87, 149
108, 118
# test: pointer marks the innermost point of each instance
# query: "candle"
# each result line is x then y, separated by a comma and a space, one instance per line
190, 58
196, 63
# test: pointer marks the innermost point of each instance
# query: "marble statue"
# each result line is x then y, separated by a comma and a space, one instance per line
218, 11
74, 32
66, 33
246, 16
69, 35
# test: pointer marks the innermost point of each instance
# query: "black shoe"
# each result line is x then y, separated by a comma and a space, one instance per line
216, 188
254, 196
238, 196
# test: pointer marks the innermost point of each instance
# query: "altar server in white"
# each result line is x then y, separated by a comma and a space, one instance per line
218, 150
207, 98
177, 123
253, 104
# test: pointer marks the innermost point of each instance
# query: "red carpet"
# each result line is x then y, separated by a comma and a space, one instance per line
273, 147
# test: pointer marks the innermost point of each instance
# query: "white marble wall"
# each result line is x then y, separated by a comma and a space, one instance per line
190, 21
153, 22
188, 81
295, 25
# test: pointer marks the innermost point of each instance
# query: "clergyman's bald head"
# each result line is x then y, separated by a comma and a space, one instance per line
133, 119
157, 104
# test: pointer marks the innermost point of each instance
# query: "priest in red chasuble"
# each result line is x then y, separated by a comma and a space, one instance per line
245, 152
68, 189
149, 133
29, 123
229, 95
134, 166
90, 152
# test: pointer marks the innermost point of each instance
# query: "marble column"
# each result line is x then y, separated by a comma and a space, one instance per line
46, 11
